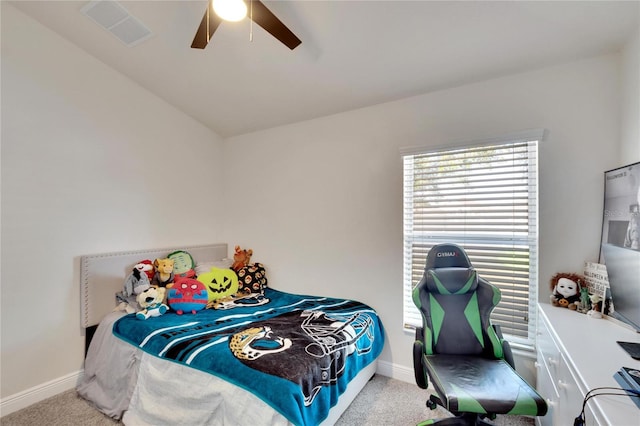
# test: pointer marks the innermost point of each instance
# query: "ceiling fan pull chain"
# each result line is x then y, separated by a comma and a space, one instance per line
208, 11
251, 20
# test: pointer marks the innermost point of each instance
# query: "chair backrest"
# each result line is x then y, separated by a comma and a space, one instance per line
456, 305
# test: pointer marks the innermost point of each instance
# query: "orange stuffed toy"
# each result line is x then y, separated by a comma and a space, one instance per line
241, 258
164, 273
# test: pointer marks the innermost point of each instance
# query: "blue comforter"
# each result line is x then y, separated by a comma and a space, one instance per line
297, 353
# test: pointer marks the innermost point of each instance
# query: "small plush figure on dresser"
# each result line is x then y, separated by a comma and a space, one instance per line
565, 290
596, 306
585, 300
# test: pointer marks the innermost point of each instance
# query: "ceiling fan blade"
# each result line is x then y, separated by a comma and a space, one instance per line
208, 25
267, 20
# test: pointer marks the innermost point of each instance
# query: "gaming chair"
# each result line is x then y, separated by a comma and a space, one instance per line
469, 363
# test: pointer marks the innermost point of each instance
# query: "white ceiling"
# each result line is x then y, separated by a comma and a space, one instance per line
353, 53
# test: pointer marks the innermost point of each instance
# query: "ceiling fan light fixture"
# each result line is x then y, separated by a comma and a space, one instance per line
230, 10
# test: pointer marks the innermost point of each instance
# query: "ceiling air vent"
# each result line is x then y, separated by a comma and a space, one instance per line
111, 16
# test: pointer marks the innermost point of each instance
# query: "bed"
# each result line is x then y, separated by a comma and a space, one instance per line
273, 358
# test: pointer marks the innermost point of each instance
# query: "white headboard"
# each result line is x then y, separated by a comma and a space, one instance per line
103, 275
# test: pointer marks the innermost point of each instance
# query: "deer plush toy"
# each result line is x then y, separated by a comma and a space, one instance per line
241, 258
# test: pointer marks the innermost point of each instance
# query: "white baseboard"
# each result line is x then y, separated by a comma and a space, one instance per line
396, 371
38, 393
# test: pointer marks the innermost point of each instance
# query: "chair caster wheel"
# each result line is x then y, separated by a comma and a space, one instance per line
431, 405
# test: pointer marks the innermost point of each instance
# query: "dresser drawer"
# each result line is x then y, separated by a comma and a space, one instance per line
569, 393
547, 389
548, 351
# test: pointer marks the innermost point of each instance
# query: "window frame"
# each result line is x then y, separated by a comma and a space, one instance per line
530, 137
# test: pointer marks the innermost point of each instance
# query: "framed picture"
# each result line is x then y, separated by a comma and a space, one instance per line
621, 219
598, 285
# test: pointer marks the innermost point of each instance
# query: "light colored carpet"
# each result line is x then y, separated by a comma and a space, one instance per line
383, 401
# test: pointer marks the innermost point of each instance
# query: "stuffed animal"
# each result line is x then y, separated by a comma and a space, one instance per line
565, 290
135, 283
146, 266
183, 264
125, 304
241, 258
150, 302
219, 282
187, 295
252, 279
164, 272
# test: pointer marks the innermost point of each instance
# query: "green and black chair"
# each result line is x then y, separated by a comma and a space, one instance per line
468, 362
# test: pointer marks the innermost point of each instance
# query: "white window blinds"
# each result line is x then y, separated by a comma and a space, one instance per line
483, 198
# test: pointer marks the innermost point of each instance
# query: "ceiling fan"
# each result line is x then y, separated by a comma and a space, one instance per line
258, 14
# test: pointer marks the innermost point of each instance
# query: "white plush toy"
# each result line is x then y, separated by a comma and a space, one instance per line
150, 302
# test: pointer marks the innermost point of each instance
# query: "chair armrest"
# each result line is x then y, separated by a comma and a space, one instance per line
418, 352
506, 348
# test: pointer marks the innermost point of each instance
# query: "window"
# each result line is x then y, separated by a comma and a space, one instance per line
484, 198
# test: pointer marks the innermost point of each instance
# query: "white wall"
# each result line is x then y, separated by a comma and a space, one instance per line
320, 202
90, 163
630, 147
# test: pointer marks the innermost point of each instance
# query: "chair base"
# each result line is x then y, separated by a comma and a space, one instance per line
459, 419
466, 419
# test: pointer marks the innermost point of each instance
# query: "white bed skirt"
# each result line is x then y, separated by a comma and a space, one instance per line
126, 383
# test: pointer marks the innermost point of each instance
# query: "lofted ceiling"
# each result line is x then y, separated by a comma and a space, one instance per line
353, 54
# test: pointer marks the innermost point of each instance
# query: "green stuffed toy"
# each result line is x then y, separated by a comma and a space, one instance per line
183, 264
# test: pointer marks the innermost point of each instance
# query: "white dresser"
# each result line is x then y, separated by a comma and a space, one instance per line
576, 353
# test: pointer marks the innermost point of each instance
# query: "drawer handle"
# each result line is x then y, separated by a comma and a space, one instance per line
550, 403
552, 361
563, 385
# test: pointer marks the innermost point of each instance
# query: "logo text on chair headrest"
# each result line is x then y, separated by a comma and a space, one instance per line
446, 254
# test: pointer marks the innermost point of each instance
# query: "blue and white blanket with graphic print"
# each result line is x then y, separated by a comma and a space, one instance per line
295, 352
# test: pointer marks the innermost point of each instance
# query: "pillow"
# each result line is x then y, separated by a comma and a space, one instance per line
219, 282
203, 267
252, 279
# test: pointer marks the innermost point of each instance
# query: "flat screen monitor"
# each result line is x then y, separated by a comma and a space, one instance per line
620, 243
623, 269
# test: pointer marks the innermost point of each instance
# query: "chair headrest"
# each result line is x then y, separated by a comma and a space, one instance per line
447, 256
451, 280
